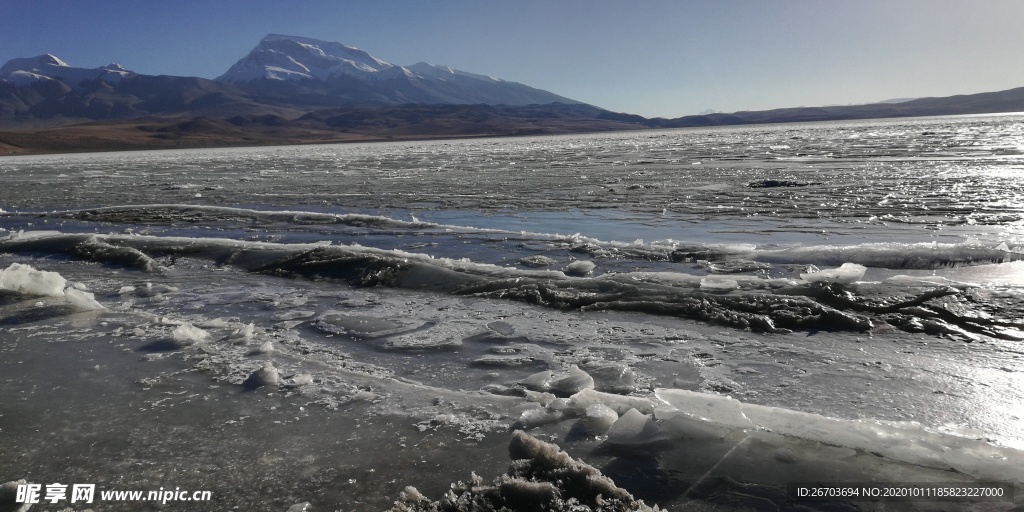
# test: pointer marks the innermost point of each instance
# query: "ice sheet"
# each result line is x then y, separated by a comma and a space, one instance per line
415, 299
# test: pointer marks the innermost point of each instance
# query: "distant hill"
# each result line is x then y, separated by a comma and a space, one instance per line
983, 103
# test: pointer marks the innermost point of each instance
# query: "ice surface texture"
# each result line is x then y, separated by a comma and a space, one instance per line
420, 291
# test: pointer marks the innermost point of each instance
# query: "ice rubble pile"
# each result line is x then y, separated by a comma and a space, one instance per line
26, 280
9, 497
541, 477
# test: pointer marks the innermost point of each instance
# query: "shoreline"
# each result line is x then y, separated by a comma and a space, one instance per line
84, 144
158, 133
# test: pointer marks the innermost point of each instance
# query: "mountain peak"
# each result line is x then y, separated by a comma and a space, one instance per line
25, 71
52, 60
33, 64
291, 58
360, 78
269, 38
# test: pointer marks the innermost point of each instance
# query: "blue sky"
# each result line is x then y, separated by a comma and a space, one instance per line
654, 58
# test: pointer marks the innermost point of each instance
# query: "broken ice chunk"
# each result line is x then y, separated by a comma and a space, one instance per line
536, 417
718, 284
265, 376
82, 300
247, 330
302, 379
635, 428
599, 418
618, 403
243, 334
572, 383
721, 410
26, 279
186, 334
536, 261
847, 273
148, 290
538, 381
580, 268
612, 377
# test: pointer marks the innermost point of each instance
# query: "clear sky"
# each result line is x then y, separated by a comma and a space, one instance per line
655, 58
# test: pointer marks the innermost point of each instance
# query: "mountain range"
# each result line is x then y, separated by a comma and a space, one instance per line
292, 89
282, 75
336, 74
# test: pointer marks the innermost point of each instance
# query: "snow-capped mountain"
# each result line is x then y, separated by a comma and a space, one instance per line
283, 76
279, 57
22, 72
46, 89
346, 71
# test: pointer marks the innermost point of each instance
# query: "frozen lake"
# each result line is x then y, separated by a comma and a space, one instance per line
333, 323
